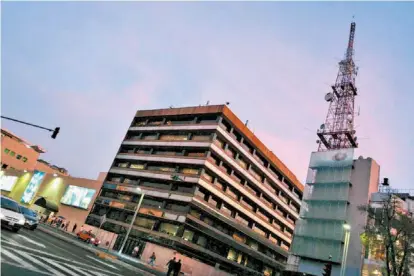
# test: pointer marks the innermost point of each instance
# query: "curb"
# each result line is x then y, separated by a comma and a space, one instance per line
97, 252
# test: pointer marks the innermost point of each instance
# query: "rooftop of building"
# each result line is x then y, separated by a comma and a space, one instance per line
238, 124
13, 136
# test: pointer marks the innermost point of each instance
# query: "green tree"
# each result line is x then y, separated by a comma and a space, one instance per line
390, 232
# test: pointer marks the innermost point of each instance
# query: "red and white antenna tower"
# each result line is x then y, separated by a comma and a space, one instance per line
338, 130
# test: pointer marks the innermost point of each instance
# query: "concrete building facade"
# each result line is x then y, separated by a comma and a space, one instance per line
213, 193
350, 188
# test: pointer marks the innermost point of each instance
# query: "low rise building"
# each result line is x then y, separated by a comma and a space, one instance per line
19, 154
50, 193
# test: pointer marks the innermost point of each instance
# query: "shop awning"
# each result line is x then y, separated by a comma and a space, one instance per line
47, 204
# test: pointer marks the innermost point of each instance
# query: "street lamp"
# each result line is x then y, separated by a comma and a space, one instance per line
347, 229
139, 191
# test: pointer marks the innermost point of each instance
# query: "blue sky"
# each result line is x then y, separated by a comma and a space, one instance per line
87, 67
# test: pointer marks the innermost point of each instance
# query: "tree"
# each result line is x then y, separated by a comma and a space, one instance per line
389, 234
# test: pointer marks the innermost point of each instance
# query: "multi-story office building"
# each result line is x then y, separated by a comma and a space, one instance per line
213, 192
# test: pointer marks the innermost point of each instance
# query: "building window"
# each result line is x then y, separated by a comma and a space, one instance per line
6, 151
24, 159
169, 229
188, 235
12, 153
137, 166
146, 223
18, 157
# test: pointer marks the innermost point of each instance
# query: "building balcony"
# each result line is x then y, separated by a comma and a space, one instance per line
241, 207
251, 196
264, 188
206, 126
244, 150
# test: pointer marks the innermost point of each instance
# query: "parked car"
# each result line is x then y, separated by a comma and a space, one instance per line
32, 220
10, 214
88, 237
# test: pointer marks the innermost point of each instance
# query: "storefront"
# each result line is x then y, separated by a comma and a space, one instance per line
51, 194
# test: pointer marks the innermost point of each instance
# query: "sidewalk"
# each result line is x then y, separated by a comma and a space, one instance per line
113, 256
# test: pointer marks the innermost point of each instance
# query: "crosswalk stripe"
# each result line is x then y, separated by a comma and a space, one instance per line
32, 241
39, 263
18, 260
79, 271
22, 247
59, 266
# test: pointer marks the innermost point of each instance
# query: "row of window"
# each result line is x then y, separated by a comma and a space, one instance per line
225, 209
194, 170
191, 170
188, 233
166, 151
176, 120
160, 208
246, 145
249, 186
171, 136
13, 154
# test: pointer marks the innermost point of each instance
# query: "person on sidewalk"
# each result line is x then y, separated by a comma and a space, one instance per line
177, 268
135, 251
171, 266
152, 259
66, 226
74, 228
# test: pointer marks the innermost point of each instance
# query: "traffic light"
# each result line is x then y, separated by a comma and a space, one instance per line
327, 269
55, 132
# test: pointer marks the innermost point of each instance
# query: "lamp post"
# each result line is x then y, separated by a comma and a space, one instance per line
133, 219
347, 229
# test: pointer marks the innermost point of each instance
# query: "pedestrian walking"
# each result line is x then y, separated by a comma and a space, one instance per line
66, 226
152, 259
171, 266
135, 251
74, 228
177, 268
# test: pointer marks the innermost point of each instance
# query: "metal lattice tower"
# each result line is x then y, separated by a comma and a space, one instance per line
338, 130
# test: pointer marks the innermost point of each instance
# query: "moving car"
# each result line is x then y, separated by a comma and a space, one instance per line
10, 214
88, 237
32, 220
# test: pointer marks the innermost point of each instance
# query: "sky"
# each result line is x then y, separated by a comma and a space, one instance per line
88, 67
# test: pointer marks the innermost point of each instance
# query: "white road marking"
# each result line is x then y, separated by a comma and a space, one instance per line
65, 260
17, 259
99, 261
17, 265
32, 241
39, 263
59, 266
78, 270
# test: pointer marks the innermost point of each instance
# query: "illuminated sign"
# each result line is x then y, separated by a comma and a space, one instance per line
33, 186
77, 196
7, 182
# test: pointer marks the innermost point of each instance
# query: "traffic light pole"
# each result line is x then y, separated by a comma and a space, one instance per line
55, 131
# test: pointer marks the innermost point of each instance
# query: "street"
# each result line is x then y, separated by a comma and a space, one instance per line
36, 253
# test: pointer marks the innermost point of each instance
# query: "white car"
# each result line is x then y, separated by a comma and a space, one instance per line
10, 214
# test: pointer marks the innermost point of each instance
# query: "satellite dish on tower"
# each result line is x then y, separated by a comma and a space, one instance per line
329, 97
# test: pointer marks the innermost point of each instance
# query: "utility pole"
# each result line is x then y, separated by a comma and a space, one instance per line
55, 131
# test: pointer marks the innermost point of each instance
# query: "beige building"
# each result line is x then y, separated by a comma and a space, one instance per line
19, 154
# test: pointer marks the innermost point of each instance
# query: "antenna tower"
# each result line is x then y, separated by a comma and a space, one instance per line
338, 130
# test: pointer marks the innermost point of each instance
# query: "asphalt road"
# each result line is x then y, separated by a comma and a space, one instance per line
28, 253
